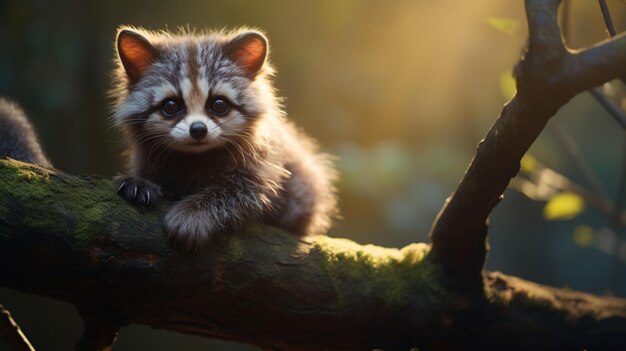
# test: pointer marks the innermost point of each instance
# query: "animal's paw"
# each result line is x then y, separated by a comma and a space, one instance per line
190, 228
137, 191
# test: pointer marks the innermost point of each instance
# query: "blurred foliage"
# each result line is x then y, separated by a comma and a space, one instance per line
583, 235
562, 206
401, 92
508, 26
528, 164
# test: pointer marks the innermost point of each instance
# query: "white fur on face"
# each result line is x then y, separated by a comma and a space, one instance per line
195, 96
161, 92
184, 140
227, 90
233, 125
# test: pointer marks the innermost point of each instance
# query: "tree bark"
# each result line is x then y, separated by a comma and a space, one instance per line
73, 239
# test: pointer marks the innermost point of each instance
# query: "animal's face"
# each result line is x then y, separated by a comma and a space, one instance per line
195, 114
191, 93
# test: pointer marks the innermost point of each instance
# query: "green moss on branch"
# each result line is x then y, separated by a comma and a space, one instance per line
72, 238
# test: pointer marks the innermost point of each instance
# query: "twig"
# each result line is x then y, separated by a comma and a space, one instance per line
606, 14
11, 332
610, 107
558, 182
573, 151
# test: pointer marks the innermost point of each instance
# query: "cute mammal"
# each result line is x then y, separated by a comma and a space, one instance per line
205, 128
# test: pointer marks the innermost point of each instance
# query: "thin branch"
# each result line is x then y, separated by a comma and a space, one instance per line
609, 106
11, 332
545, 182
573, 151
596, 65
613, 110
606, 14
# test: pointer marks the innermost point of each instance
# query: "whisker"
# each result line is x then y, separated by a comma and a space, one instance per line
166, 146
228, 150
238, 148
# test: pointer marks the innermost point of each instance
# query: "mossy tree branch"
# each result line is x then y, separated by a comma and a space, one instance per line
73, 239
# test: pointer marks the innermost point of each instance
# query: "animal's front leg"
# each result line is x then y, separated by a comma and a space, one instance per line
189, 224
193, 221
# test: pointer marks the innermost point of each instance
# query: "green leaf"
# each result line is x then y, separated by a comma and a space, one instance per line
508, 87
563, 206
508, 26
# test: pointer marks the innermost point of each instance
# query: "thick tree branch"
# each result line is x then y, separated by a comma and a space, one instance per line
596, 65
548, 75
73, 239
544, 34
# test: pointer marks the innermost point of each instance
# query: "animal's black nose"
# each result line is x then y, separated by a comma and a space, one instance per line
197, 130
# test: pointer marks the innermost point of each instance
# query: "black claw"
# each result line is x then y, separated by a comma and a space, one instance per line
138, 191
122, 186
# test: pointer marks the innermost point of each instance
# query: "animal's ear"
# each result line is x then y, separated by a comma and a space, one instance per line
136, 53
248, 50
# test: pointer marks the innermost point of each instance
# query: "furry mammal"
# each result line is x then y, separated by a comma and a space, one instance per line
205, 128
17, 137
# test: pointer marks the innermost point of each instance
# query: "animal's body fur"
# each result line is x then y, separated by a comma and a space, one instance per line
17, 137
249, 163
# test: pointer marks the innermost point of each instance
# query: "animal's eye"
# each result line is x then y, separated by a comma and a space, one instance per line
219, 105
170, 107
